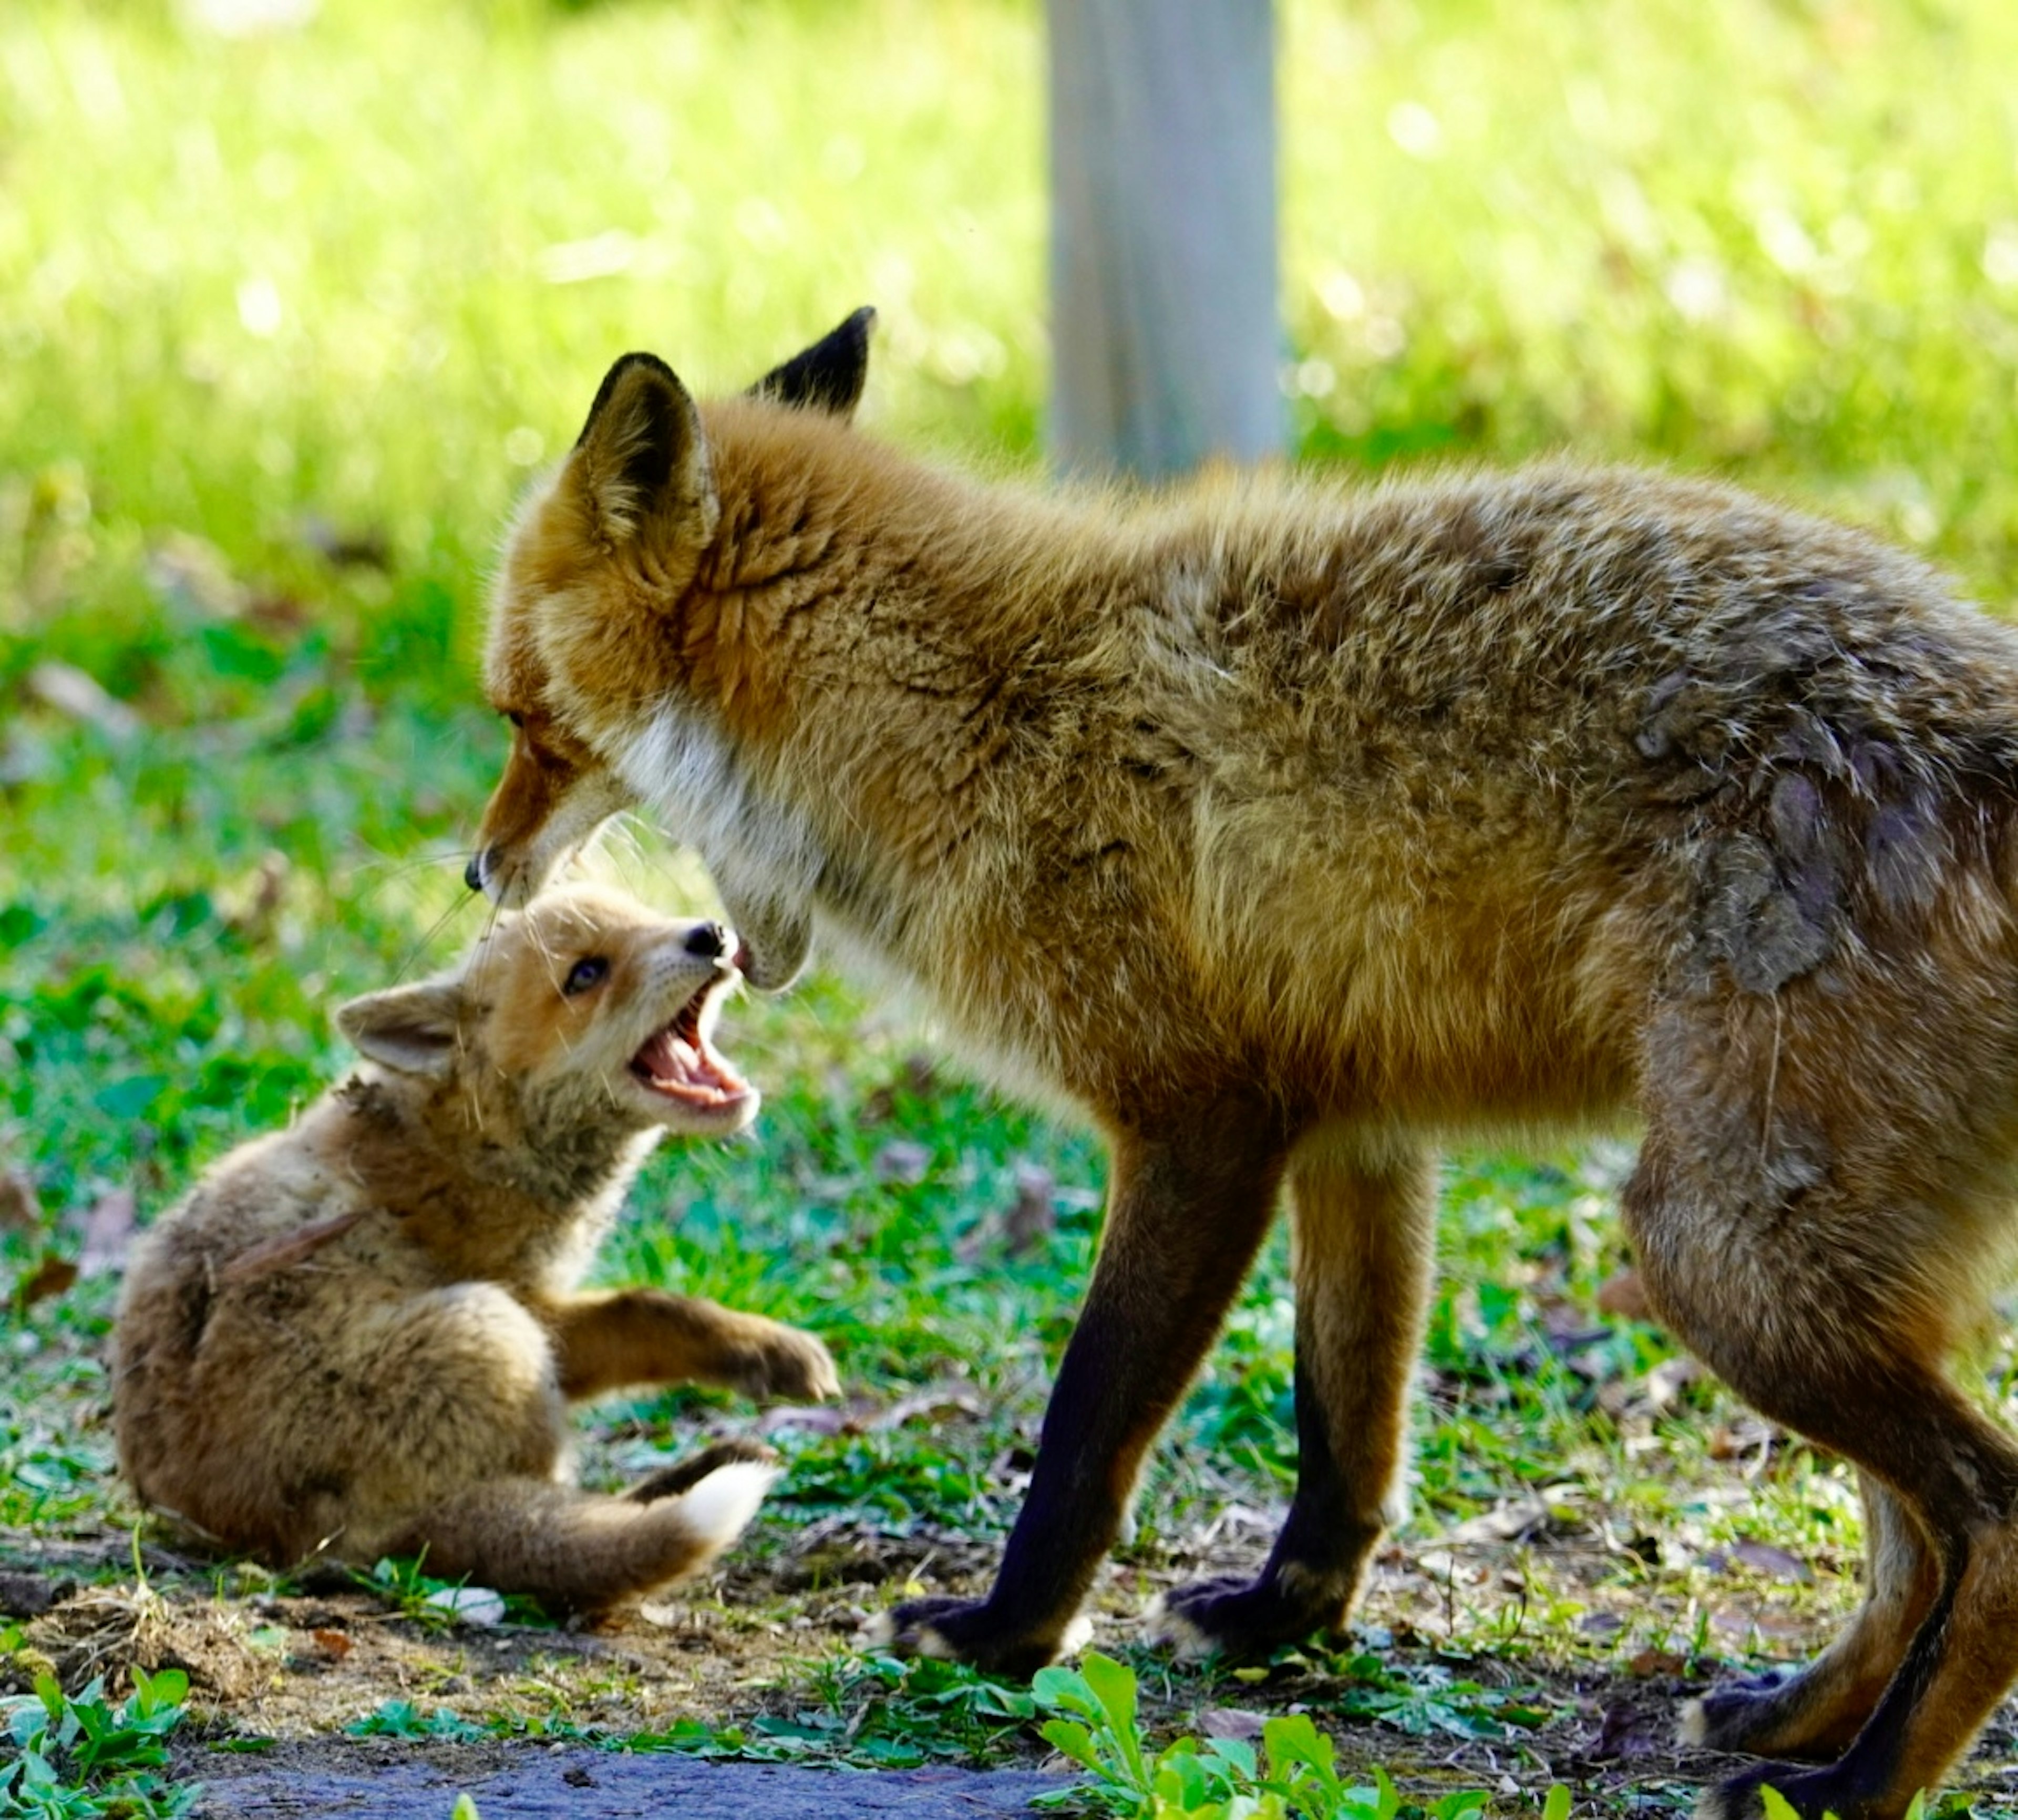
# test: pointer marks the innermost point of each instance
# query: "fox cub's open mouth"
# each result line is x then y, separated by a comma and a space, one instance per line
680, 1062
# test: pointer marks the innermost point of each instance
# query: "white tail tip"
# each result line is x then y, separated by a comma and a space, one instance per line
720, 1507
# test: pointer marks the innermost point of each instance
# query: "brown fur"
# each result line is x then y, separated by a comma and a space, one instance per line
360, 1335
1289, 829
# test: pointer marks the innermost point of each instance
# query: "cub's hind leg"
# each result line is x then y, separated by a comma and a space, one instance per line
431, 1393
1364, 1218
578, 1550
456, 1443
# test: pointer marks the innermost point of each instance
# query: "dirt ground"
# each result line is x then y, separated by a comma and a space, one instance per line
776, 1635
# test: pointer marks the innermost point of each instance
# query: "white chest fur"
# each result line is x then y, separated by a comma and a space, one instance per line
704, 794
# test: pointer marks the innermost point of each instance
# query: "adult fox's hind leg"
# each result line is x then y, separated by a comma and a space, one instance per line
1810, 1204
1817, 1711
1364, 1222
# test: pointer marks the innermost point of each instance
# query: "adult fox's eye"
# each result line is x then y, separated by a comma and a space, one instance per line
584, 974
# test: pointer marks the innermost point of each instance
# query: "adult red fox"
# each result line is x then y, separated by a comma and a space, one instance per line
1288, 829
359, 1334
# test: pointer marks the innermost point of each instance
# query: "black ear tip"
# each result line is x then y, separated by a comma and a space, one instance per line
829, 376
614, 378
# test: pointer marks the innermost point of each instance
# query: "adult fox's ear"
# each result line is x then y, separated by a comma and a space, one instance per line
641, 454
830, 375
412, 1030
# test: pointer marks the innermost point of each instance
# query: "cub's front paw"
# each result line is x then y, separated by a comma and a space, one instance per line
1234, 1617
776, 1362
970, 1630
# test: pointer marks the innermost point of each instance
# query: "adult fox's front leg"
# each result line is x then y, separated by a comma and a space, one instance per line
1365, 1220
1187, 1204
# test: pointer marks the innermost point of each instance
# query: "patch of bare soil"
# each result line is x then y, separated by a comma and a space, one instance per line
363, 1780
1471, 1674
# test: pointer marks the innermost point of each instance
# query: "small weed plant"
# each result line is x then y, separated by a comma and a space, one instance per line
1223, 1778
79, 1758
403, 1719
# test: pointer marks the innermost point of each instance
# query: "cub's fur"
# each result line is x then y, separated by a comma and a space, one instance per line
1289, 828
360, 1334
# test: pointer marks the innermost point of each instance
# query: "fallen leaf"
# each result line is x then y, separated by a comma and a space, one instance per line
333, 1644
68, 690
1739, 1623
903, 1162
1762, 1557
1231, 1722
1665, 1383
816, 1418
1035, 1215
108, 1230
1512, 1518
192, 574
1624, 1296
920, 1079
250, 902
1627, 1730
935, 1401
20, 1212
52, 1276
1744, 1439
1649, 1663
368, 549
470, 1604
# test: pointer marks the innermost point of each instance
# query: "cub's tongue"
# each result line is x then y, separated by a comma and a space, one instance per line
681, 1063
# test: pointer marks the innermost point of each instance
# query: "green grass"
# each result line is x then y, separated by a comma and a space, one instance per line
349, 284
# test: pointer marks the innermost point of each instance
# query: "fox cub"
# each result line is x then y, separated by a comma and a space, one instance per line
360, 1335
1288, 829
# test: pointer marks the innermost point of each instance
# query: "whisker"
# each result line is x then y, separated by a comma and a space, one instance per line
427, 938
387, 866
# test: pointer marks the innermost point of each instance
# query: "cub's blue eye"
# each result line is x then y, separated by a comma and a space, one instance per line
584, 974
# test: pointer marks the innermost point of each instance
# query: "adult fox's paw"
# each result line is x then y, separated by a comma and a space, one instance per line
1232, 1616
970, 1630
1812, 1793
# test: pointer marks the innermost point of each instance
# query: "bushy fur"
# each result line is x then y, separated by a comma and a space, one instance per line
359, 1335
1289, 829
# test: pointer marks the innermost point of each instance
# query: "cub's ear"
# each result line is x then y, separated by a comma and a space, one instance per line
641, 455
829, 376
412, 1030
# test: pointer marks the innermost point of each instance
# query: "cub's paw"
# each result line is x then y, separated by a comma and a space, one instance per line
968, 1630
1232, 1616
777, 1363
677, 1480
